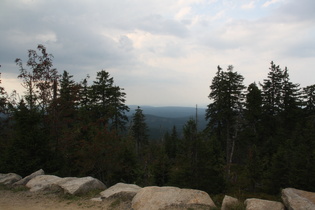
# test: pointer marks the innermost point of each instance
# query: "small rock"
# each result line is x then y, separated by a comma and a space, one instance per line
121, 189
75, 186
29, 177
9, 179
44, 183
99, 199
260, 204
228, 201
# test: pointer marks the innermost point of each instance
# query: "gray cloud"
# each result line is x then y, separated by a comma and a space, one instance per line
147, 47
158, 24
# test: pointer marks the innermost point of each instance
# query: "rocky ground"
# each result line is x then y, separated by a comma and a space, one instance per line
25, 200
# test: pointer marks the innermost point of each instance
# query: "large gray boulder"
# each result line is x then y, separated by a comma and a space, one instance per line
228, 201
44, 183
70, 185
9, 179
121, 189
75, 186
295, 199
152, 198
260, 204
29, 177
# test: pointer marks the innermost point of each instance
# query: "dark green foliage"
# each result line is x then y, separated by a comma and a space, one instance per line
309, 99
225, 111
28, 149
171, 143
198, 163
3, 98
139, 130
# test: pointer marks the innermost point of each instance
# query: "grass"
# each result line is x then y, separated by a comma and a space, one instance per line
4, 187
85, 196
13, 189
19, 188
115, 203
237, 206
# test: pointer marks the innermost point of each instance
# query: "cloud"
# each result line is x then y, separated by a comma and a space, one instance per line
182, 13
268, 3
250, 5
162, 52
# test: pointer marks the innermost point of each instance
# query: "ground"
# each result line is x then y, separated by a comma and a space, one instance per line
25, 200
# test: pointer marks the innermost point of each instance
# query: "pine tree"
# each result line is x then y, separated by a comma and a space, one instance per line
290, 103
309, 99
225, 111
272, 90
171, 143
108, 101
139, 129
118, 109
253, 106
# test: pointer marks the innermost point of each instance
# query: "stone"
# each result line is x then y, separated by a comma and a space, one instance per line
70, 185
99, 199
260, 204
295, 199
151, 198
121, 189
228, 201
75, 186
29, 177
9, 179
44, 183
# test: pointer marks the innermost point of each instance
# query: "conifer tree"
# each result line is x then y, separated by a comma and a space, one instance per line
309, 99
139, 129
272, 90
253, 106
225, 111
171, 143
118, 108
108, 101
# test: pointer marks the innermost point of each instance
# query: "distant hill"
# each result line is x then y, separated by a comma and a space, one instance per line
162, 119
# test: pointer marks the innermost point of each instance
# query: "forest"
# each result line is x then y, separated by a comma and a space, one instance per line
258, 139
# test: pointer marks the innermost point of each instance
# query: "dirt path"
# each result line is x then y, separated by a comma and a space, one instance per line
25, 200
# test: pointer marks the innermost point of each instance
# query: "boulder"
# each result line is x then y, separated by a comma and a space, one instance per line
295, 199
71, 185
121, 189
260, 204
75, 186
9, 179
44, 183
29, 177
151, 198
228, 201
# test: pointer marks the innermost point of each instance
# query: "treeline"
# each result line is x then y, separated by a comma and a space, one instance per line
259, 138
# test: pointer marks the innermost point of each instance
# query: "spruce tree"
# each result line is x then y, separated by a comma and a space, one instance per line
225, 111
139, 129
108, 101
309, 99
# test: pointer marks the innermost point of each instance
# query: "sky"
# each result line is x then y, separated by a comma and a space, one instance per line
162, 52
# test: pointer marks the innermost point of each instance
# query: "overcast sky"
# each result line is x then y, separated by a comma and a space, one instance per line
162, 52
